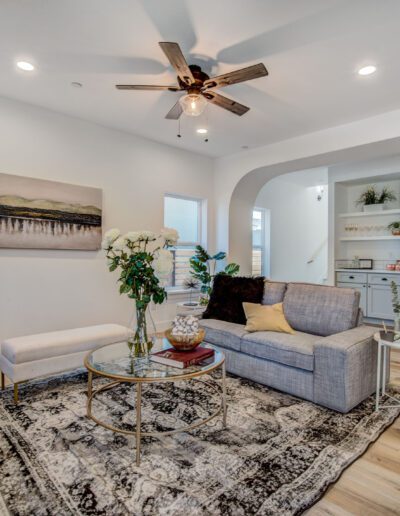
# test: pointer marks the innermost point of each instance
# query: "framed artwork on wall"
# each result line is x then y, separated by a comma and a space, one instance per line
42, 214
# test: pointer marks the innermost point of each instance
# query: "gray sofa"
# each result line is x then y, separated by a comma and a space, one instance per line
330, 360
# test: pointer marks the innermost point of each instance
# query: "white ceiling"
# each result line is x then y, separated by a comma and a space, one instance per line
312, 49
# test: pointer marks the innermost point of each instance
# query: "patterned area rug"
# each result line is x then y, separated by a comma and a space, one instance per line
277, 456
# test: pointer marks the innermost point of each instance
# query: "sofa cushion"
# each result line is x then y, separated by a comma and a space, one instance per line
319, 309
295, 350
229, 293
53, 344
224, 334
274, 292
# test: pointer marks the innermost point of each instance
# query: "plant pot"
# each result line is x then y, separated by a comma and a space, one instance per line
396, 232
373, 207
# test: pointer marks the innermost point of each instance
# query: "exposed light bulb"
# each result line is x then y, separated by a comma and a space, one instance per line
202, 130
193, 104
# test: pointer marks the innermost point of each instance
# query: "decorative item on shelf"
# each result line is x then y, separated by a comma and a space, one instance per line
372, 200
191, 284
394, 227
391, 267
362, 263
396, 309
203, 268
185, 333
145, 263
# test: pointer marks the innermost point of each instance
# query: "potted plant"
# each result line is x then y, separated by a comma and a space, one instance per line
204, 270
145, 263
372, 200
394, 227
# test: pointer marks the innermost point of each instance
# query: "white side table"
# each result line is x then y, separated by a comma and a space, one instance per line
384, 347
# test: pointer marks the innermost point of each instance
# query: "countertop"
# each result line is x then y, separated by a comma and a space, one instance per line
369, 271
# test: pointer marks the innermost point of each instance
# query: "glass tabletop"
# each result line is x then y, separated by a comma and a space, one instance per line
113, 361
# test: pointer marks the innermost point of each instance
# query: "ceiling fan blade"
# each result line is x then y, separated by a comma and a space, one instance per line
175, 112
146, 87
175, 57
245, 74
225, 103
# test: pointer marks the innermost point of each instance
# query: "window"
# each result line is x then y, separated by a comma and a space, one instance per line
185, 215
258, 242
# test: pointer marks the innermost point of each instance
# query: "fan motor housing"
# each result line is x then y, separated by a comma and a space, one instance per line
199, 77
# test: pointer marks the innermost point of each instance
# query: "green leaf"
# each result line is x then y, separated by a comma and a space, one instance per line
231, 269
219, 256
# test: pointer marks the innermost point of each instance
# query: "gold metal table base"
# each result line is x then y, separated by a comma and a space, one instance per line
138, 433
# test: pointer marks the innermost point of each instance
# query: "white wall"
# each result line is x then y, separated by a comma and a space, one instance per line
49, 290
234, 197
299, 227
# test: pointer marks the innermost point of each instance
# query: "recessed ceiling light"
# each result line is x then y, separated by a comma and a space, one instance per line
76, 84
24, 65
201, 130
367, 70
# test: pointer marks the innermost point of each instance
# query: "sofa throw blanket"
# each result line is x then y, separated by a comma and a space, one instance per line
228, 295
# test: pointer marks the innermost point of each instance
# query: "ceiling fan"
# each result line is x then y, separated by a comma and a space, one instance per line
198, 85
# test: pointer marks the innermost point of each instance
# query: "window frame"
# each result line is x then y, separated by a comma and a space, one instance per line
201, 231
260, 247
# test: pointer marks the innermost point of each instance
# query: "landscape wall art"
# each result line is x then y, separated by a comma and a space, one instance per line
40, 214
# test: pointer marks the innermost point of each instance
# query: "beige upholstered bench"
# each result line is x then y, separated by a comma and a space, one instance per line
32, 356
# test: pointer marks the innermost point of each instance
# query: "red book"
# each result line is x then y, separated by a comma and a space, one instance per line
182, 359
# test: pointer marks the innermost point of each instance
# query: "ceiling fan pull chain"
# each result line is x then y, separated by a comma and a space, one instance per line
179, 128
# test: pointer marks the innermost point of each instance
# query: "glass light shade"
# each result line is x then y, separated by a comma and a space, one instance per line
193, 104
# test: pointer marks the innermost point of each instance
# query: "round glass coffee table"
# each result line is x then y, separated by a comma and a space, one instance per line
113, 361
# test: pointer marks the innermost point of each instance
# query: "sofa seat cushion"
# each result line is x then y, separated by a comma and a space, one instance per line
57, 343
224, 334
295, 350
320, 309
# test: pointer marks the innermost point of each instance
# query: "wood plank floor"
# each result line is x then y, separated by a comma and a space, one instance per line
371, 485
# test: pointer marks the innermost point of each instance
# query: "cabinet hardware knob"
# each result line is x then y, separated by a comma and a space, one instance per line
351, 277
384, 279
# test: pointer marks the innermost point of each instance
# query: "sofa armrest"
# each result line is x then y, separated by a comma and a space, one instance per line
345, 368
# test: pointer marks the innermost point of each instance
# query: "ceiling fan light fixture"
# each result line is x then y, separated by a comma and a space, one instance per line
202, 130
193, 104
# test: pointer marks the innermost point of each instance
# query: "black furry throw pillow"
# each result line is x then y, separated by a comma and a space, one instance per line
229, 293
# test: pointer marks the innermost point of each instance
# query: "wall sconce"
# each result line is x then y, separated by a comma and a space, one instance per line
320, 192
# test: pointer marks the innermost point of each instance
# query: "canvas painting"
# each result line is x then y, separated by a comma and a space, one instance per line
41, 214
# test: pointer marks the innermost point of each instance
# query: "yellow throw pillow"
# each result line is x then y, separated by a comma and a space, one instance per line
266, 318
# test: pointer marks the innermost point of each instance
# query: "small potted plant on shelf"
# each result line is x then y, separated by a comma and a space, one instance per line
394, 227
372, 200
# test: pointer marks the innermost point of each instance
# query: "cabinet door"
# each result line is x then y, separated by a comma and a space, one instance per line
380, 302
362, 289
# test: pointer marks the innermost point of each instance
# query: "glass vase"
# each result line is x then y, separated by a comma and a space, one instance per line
139, 343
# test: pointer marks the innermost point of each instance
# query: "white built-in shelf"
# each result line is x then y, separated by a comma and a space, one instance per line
396, 211
360, 238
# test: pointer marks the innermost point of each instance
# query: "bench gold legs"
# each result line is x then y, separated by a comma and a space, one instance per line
16, 398
3, 385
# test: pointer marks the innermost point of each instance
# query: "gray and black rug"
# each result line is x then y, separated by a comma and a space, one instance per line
278, 455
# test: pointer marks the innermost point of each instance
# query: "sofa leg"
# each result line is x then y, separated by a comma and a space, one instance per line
16, 398
3, 381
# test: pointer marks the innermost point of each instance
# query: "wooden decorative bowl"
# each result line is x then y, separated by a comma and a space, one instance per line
185, 342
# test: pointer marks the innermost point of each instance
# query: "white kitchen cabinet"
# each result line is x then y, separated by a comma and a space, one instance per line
379, 302
362, 289
375, 291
